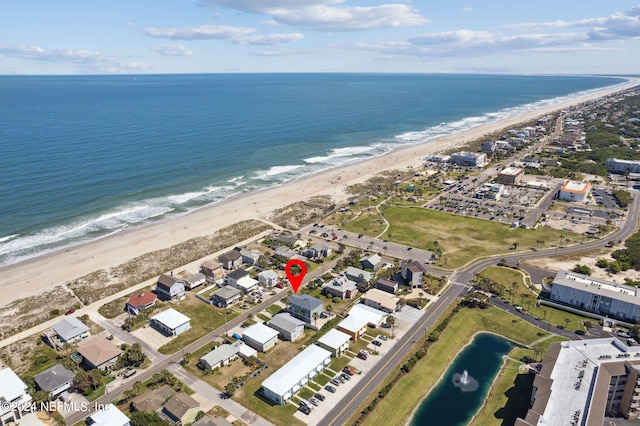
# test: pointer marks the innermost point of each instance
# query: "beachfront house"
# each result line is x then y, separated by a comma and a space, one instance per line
249, 256
195, 280
70, 330
55, 380
213, 271
231, 260
140, 301
169, 287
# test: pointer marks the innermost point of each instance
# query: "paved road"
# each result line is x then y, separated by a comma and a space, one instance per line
358, 396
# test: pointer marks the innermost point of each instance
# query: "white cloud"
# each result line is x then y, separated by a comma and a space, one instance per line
468, 10
328, 15
202, 32
269, 39
87, 60
177, 49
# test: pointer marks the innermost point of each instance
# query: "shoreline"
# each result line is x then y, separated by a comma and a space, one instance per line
33, 275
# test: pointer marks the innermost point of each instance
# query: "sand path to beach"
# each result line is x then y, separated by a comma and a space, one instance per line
32, 276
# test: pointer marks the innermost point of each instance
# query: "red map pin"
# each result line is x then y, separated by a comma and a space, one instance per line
295, 280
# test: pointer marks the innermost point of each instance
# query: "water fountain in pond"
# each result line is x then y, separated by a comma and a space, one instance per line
465, 382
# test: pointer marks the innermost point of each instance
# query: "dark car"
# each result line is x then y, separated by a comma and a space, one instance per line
319, 396
335, 382
329, 388
376, 343
70, 311
304, 409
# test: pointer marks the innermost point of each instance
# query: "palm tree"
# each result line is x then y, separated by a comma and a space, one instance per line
315, 318
420, 295
566, 322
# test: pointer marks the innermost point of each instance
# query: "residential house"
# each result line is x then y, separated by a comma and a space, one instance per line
341, 287
371, 262
413, 273
260, 337
286, 252
152, 400
14, 397
169, 287
222, 355
208, 421
99, 353
381, 300
171, 322
304, 306
195, 280
389, 286
335, 341
268, 278
212, 270
289, 327
226, 296
231, 260
358, 275
181, 409
140, 301
318, 250
56, 380
241, 280
71, 330
289, 240
249, 256
108, 415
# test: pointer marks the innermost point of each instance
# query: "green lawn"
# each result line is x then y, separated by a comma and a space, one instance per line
204, 319
274, 309
337, 364
369, 223
398, 404
507, 276
556, 317
463, 238
305, 393
263, 317
321, 379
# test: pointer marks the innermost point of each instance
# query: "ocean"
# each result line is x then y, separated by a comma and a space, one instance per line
86, 156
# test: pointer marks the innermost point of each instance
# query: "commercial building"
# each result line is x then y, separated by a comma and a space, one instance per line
289, 327
596, 295
14, 396
359, 319
622, 166
442, 158
583, 382
471, 159
291, 377
260, 337
335, 341
575, 191
171, 322
510, 176
304, 306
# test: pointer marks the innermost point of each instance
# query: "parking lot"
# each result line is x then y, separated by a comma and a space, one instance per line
404, 320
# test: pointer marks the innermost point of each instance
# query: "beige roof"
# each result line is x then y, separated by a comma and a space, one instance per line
99, 351
179, 404
152, 399
385, 299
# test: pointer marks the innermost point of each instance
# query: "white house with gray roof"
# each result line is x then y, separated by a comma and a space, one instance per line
371, 262
596, 295
260, 337
71, 330
222, 355
171, 322
289, 327
55, 380
268, 278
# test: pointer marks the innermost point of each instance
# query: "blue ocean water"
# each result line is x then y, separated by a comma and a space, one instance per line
86, 156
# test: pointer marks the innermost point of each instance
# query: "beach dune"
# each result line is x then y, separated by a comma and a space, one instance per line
34, 275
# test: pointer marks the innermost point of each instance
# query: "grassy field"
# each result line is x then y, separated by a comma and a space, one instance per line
462, 238
398, 404
369, 222
507, 276
204, 318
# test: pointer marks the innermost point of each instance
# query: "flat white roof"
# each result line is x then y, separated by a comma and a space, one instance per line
221, 353
246, 350
11, 386
575, 186
269, 273
260, 333
334, 338
361, 315
246, 282
511, 171
110, 416
594, 285
295, 370
171, 318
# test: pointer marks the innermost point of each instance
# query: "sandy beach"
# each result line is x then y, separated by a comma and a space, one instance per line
32, 276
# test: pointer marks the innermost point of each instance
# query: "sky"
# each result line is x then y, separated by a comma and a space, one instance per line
382, 36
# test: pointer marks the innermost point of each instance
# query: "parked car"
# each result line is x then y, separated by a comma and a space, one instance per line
349, 371
129, 373
376, 343
319, 396
314, 401
236, 336
363, 354
70, 311
383, 337
345, 376
340, 379
304, 409
324, 235
330, 388
335, 382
